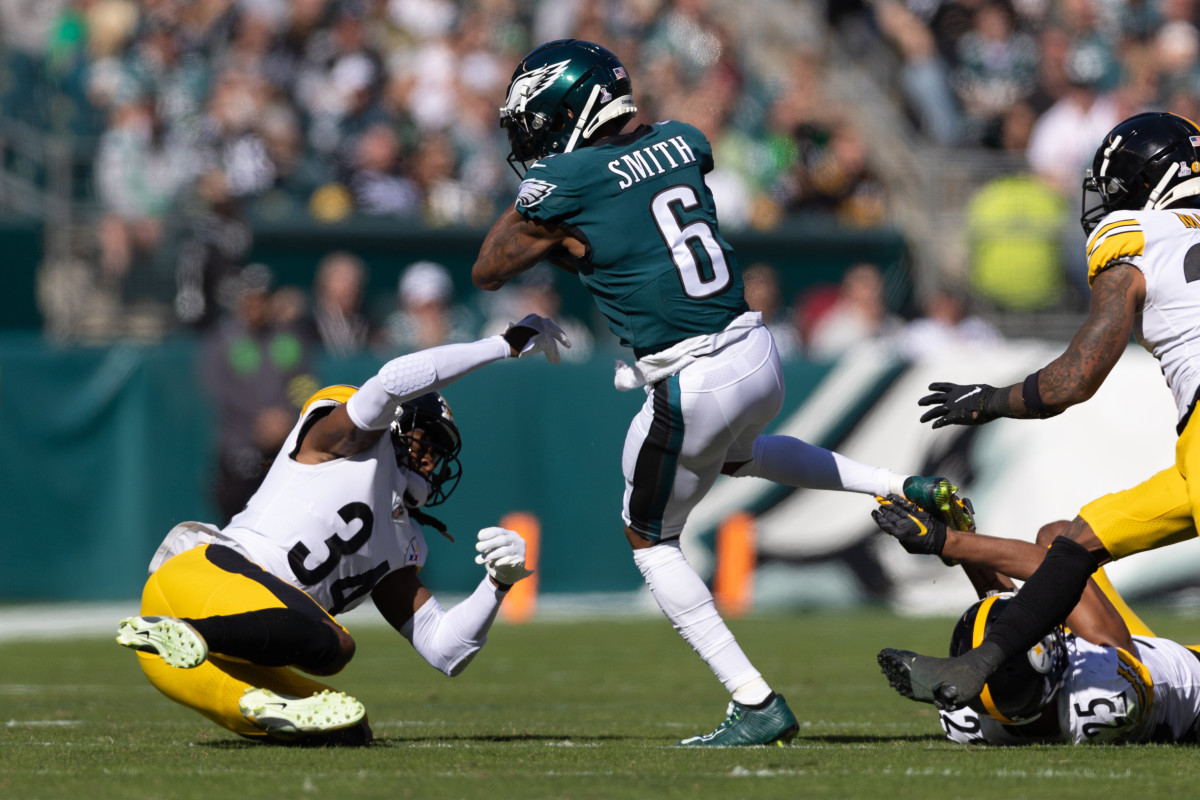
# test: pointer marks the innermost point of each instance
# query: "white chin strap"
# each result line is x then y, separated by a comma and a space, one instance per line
587, 125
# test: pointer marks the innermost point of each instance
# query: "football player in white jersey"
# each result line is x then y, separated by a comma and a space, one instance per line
1105, 679
1143, 254
230, 617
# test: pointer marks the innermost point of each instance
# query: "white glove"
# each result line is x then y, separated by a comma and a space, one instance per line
545, 338
502, 552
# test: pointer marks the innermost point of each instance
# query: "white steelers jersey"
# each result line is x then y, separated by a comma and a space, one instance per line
331, 529
1108, 697
1165, 246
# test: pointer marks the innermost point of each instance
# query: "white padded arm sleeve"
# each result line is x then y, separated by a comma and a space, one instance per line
373, 406
448, 640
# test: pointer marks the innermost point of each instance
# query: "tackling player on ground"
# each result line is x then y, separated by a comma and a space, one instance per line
1106, 679
228, 616
629, 213
1143, 254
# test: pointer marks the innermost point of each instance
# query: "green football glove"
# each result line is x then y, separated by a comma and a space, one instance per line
917, 530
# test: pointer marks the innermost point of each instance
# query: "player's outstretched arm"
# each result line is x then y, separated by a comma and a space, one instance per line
449, 639
1117, 295
993, 562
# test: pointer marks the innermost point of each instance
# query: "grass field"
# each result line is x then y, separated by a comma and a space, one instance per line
553, 709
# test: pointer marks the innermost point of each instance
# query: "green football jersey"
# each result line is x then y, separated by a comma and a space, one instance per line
656, 263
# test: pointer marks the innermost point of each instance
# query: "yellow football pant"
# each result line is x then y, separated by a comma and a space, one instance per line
1155, 513
190, 585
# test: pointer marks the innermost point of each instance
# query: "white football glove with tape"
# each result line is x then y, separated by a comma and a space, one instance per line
502, 553
536, 334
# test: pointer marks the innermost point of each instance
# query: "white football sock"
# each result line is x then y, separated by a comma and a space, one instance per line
688, 604
795, 462
753, 693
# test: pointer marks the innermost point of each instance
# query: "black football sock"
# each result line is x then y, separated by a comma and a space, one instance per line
1045, 600
272, 637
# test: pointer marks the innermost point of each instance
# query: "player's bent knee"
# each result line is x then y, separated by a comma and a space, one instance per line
333, 654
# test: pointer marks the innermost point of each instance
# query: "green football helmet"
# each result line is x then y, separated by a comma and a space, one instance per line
561, 94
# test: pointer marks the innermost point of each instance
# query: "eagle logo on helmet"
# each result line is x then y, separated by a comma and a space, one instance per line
531, 84
563, 95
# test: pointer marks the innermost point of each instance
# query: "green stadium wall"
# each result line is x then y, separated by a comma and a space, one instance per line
105, 449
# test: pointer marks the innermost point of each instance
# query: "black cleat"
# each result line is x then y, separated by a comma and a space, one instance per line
947, 683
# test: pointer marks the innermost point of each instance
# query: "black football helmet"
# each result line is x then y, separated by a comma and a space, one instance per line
1024, 685
560, 95
1149, 161
424, 426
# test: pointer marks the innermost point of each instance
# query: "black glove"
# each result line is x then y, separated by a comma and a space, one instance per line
917, 531
963, 404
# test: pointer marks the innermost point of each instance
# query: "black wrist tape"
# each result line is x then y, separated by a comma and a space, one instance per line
1033, 399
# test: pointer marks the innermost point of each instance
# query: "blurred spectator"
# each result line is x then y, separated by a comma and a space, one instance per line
833, 175
761, 282
214, 241
945, 322
1063, 139
296, 174
339, 324
859, 314
139, 171
996, 64
259, 375
924, 76
376, 181
229, 142
1015, 226
446, 200
535, 291
427, 314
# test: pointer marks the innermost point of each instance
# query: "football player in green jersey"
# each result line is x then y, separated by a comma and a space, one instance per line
629, 214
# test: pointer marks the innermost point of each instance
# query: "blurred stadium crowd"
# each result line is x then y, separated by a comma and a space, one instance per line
966, 124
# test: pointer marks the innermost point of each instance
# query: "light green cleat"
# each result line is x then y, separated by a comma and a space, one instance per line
286, 717
939, 497
173, 640
744, 726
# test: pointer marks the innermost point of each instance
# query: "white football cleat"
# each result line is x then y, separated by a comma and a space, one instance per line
290, 717
173, 640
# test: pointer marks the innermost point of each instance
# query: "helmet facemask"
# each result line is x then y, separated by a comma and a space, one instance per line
427, 443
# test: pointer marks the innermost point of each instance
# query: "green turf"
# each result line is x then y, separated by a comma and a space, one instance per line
572, 710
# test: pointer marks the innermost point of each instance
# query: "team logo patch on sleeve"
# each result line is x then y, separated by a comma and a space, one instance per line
533, 192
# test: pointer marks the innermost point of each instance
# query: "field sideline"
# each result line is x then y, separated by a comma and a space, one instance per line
587, 708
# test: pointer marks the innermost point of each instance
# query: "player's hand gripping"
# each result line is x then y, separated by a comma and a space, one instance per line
502, 553
963, 404
917, 530
536, 334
